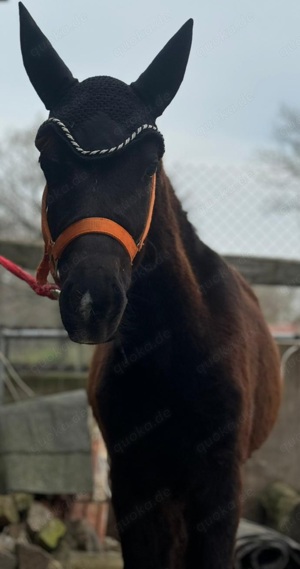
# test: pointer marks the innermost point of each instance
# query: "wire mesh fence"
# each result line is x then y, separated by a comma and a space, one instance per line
235, 211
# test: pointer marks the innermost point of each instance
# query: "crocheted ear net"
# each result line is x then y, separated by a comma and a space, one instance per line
101, 116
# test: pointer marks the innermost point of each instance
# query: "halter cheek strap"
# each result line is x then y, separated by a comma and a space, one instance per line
53, 250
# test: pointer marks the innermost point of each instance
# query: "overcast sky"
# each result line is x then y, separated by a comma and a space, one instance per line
245, 62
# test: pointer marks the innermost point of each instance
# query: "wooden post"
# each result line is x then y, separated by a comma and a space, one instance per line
2, 368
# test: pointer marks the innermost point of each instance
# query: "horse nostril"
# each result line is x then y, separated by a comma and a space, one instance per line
102, 305
98, 303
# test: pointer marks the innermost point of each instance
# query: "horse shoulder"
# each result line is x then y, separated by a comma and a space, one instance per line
261, 379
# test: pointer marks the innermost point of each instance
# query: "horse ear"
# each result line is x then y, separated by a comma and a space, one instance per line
158, 85
48, 74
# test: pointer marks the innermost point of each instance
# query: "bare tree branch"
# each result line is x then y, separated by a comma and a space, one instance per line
282, 162
21, 183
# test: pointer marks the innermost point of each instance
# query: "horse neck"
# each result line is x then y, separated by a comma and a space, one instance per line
173, 232
166, 277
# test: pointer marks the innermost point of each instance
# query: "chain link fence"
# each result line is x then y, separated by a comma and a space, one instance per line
236, 211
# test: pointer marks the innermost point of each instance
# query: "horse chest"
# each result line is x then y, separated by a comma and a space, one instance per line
146, 412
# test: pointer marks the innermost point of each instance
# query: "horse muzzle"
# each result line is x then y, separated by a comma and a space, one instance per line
92, 314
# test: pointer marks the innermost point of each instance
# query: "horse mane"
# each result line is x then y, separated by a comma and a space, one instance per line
178, 237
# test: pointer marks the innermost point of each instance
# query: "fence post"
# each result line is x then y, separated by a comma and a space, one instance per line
2, 368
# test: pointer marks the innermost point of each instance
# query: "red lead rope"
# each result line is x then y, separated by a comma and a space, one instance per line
53, 251
50, 290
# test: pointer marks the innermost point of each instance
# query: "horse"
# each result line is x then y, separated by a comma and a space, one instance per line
185, 380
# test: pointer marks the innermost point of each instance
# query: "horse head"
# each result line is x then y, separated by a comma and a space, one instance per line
100, 150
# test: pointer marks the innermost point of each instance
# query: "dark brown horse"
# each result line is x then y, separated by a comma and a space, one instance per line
185, 380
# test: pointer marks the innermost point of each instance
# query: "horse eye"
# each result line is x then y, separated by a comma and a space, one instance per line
150, 171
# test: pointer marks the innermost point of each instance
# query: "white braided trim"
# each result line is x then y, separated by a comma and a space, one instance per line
105, 150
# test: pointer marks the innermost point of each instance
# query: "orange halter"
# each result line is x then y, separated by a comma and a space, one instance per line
53, 250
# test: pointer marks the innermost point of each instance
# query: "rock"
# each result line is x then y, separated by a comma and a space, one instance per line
111, 544
33, 557
7, 543
55, 565
16, 531
23, 501
84, 535
63, 551
7, 560
8, 511
38, 517
281, 506
51, 534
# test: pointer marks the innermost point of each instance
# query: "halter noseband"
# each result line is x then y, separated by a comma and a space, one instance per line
53, 250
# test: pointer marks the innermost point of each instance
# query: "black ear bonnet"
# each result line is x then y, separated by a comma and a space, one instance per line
102, 115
